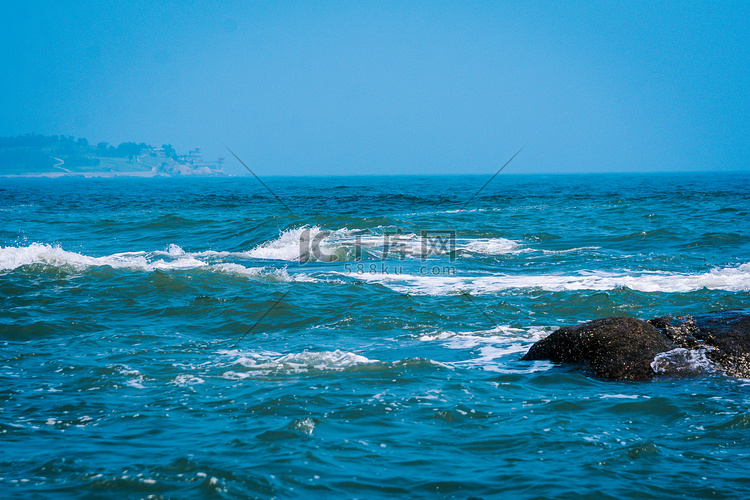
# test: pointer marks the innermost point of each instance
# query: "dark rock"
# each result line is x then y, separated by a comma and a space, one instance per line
726, 335
617, 348
660, 322
625, 348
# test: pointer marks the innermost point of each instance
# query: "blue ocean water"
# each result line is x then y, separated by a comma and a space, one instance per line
360, 338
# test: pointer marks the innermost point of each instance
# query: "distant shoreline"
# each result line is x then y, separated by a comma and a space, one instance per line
151, 174
54, 175
89, 175
34, 155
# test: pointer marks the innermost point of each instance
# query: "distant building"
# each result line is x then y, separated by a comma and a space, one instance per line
191, 164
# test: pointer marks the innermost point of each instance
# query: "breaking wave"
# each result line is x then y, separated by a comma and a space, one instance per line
174, 258
735, 279
249, 365
312, 243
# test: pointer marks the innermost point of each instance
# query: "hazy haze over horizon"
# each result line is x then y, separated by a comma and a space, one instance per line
316, 88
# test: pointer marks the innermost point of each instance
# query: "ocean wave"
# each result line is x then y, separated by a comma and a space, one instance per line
268, 274
312, 243
309, 243
174, 258
45, 254
254, 364
488, 246
715, 239
734, 279
643, 235
245, 365
571, 250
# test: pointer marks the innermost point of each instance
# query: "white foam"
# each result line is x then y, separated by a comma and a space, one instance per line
262, 364
136, 383
269, 274
498, 246
38, 253
285, 247
489, 246
172, 251
682, 360
734, 279
569, 250
311, 243
185, 380
174, 258
493, 346
327, 360
306, 425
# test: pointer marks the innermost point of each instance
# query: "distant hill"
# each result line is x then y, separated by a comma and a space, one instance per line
34, 154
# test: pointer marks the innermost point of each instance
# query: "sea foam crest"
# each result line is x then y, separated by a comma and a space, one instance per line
308, 243
39, 253
174, 258
734, 279
263, 273
311, 243
262, 363
489, 246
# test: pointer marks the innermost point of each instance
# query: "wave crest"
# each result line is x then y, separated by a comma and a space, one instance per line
302, 362
312, 243
734, 279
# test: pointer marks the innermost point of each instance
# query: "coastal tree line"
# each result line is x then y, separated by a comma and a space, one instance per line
39, 153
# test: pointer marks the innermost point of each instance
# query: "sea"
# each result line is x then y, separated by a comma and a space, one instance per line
360, 337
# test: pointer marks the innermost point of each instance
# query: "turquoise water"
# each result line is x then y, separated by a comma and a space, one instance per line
195, 338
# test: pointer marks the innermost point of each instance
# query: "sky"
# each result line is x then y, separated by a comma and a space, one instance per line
437, 87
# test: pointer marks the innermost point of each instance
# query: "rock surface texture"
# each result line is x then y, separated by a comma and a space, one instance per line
622, 348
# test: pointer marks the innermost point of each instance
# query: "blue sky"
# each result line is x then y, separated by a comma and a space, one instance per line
306, 88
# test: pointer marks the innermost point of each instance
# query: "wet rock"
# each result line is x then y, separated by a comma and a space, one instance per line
616, 348
726, 334
626, 348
